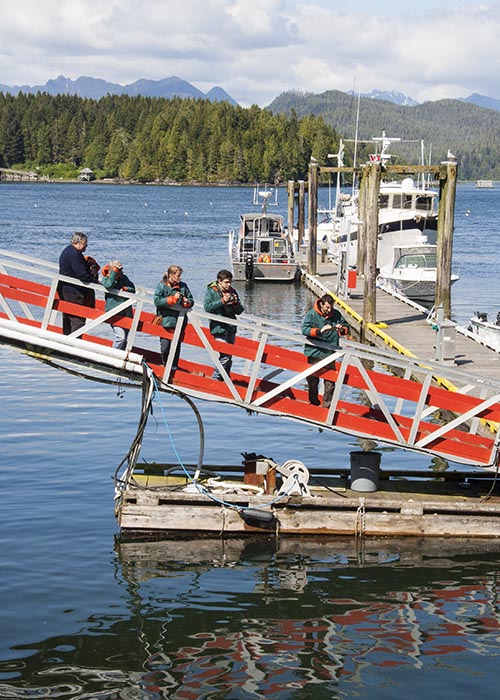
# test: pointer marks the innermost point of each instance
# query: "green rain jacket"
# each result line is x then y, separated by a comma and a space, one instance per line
213, 305
115, 281
314, 320
166, 305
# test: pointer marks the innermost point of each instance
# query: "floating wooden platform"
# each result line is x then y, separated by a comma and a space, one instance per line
451, 505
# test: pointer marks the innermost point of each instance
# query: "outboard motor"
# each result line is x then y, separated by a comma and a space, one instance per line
249, 267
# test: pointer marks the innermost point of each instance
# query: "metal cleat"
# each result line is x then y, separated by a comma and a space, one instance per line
296, 478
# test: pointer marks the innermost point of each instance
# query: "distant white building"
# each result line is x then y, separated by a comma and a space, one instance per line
86, 174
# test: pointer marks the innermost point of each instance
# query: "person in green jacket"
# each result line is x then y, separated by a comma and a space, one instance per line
171, 297
325, 323
115, 280
222, 299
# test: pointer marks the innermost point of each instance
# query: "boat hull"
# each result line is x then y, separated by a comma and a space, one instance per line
418, 290
487, 333
265, 272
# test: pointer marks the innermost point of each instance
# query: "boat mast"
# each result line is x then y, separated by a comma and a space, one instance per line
265, 195
355, 145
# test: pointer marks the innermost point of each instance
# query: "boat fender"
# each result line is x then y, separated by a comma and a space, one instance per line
264, 519
249, 268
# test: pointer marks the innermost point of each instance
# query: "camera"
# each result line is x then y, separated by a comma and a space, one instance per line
232, 298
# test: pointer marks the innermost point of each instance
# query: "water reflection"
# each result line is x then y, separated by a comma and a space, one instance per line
248, 619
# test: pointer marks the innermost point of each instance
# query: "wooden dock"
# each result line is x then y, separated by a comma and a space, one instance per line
450, 504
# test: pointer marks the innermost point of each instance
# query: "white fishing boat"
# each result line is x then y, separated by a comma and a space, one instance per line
412, 271
485, 184
487, 332
263, 250
407, 211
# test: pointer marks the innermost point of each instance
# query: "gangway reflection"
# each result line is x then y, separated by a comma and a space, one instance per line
244, 618
314, 612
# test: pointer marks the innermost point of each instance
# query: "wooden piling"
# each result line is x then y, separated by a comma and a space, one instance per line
373, 174
312, 217
447, 191
291, 205
361, 232
301, 220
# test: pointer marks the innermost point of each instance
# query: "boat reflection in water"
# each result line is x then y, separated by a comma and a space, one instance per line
260, 618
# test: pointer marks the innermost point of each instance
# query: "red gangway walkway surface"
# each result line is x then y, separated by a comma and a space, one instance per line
378, 394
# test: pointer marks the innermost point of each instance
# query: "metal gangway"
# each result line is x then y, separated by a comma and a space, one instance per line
379, 394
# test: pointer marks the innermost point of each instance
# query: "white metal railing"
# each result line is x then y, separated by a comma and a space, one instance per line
259, 357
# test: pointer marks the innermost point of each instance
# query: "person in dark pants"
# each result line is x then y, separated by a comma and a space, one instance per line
172, 295
222, 299
72, 263
322, 322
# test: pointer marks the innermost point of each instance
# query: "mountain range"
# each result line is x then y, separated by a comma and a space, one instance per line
96, 88
398, 98
470, 131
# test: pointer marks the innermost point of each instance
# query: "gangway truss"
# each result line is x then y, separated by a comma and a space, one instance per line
379, 394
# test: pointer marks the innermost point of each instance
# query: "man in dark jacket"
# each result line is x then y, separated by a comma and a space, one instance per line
324, 323
223, 300
72, 263
172, 296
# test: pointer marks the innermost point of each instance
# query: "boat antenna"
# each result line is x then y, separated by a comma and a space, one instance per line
265, 195
356, 142
385, 142
340, 164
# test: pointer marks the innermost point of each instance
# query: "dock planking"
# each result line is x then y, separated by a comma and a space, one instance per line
406, 323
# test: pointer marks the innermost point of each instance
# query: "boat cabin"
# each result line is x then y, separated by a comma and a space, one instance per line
264, 238
405, 195
254, 225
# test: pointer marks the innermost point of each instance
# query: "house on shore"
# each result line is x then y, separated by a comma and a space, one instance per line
86, 175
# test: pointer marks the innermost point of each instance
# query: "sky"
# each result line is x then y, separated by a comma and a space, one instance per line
257, 49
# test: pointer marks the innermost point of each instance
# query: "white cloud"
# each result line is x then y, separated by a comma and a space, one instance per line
256, 49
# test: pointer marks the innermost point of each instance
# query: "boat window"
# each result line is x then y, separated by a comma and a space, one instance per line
275, 227
383, 201
401, 201
423, 202
280, 249
265, 246
422, 260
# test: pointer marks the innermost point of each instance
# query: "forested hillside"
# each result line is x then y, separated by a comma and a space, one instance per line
471, 132
155, 139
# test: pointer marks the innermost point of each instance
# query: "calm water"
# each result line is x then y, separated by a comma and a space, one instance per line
83, 615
